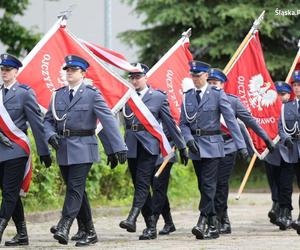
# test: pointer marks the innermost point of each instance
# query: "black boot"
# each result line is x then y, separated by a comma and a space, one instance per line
225, 227
130, 223
81, 233
285, 219
212, 230
199, 229
90, 236
296, 225
150, 232
3, 224
169, 226
274, 213
21, 238
62, 234
54, 228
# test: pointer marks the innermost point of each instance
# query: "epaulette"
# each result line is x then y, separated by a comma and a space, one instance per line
161, 91
189, 90
215, 88
23, 86
91, 87
61, 88
232, 95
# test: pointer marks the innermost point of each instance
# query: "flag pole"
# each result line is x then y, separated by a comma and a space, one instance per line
255, 156
254, 28
294, 64
186, 34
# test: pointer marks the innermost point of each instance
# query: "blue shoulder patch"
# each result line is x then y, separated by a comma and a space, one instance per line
91, 87
23, 86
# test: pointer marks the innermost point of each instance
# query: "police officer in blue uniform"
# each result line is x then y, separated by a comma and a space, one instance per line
159, 203
70, 125
21, 105
200, 125
217, 78
289, 132
85, 215
278, 173
143, 149
289, 147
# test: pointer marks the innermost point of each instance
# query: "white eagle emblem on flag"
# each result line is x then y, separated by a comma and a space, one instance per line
260, 94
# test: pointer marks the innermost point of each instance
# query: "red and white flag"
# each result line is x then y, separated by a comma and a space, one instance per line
19, 137
249, 79
110, 56
43, 71
171, 74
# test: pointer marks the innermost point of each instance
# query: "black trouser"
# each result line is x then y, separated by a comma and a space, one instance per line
18, 214
160, 201
273, 175
142, 170
11, 178
76, 199
297, 173
206, 171
225, 167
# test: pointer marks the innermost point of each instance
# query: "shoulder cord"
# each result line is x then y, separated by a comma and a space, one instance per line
189, 119
54, 111
288, 131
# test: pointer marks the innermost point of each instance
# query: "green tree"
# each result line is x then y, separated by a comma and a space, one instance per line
18, 39
218, 27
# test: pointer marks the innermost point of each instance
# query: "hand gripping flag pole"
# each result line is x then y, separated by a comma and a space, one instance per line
185, 34
227, 68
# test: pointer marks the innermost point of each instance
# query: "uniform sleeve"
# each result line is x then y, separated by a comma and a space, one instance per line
49, 123
170, 125
185, 126
34, 117
231, 122
244, 115
109, 123
105, 143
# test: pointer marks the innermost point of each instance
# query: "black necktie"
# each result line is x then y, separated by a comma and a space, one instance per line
71, 94
299, 106
198, 96
138, 93
5, 91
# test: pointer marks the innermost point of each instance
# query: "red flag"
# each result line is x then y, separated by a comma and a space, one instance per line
111, 57
43, 71
171, 74
249, 79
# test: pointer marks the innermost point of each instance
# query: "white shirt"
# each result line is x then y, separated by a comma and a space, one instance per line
143, 92
203, 89
75, 89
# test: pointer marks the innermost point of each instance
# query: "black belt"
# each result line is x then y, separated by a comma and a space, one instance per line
227, 137
136, 127
296, 136
200, 132
68, 132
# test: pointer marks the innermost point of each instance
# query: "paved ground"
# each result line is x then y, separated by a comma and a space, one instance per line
251, 229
